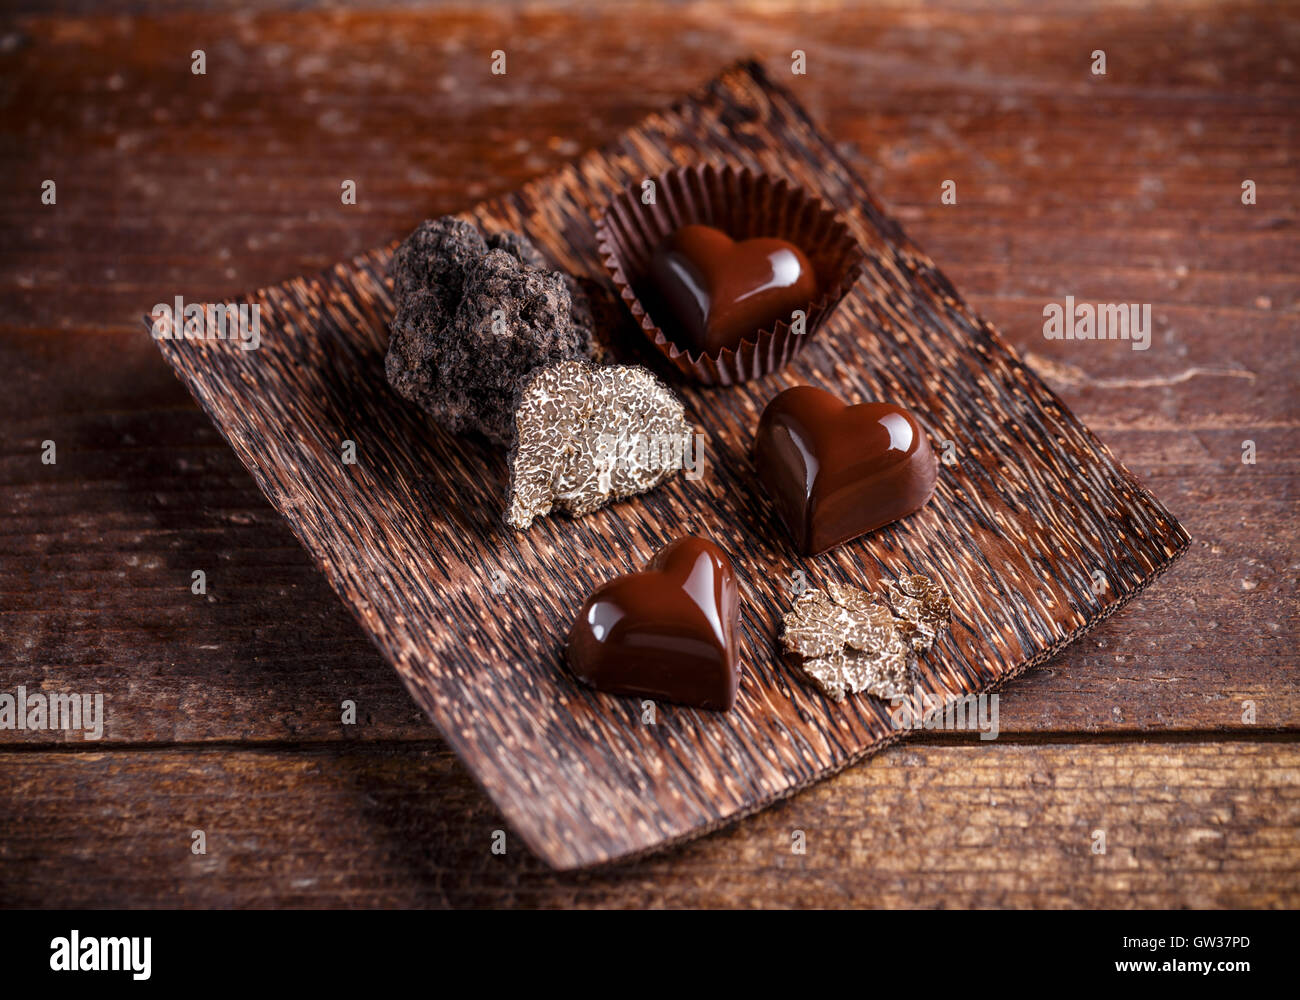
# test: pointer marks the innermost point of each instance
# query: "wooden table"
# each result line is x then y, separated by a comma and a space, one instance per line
223, 709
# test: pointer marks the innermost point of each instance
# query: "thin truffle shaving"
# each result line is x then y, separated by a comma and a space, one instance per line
920, 608
845, 641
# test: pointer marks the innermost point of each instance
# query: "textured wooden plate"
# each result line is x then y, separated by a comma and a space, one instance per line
411, 535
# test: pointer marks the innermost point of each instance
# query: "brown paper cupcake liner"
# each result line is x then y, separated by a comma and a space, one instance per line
744, 205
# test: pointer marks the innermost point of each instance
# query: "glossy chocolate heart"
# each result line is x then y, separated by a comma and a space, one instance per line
717, 292
837, 471
668, 632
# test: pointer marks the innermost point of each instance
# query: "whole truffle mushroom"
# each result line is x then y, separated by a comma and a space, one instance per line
474, 317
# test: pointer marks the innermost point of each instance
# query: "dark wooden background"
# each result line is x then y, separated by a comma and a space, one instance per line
223, 712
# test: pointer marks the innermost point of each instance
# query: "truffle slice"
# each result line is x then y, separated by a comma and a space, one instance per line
921, 610
587, 435
843, 640
474, 318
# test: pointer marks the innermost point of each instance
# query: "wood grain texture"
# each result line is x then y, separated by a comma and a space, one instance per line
409, 536
995, 825
1123, 188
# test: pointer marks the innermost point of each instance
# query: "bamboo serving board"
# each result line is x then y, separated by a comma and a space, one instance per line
473, 615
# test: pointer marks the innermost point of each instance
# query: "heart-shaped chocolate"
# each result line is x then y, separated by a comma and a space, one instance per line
668, 632
718, 292
837, 471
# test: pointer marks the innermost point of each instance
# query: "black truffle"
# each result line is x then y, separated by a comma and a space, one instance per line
474, 317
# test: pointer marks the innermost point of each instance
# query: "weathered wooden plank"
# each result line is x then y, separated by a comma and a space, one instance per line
1045, 154
970, 825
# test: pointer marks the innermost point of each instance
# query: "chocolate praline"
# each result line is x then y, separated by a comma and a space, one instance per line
668, 632
836, 471
709, 292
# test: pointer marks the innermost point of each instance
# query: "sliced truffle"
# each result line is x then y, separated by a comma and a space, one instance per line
588, 434
921, 610
475, 316
843, 640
